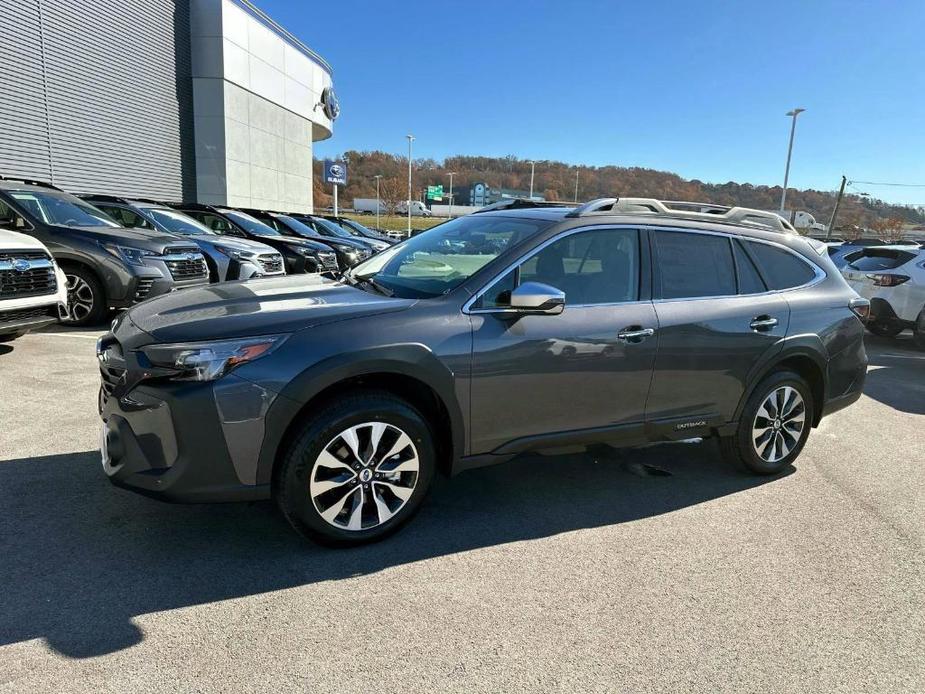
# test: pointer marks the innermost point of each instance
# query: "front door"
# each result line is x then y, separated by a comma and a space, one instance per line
588, 367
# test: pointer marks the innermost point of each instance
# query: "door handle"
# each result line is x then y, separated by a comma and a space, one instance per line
761, 323
635, 333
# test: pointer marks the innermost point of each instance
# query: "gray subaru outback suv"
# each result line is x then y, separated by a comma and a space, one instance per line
520, 328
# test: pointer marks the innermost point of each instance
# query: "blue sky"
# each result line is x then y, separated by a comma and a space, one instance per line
699, 88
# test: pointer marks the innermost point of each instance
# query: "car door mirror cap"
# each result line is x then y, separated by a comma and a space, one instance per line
536, 297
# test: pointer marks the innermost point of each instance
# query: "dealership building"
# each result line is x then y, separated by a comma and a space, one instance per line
195, 100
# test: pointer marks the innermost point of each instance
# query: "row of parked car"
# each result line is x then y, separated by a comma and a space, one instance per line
892, 276
75, 258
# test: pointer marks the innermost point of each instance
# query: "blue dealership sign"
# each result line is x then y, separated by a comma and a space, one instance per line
335, 172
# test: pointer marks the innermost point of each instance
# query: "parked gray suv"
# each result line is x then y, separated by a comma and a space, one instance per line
517, 329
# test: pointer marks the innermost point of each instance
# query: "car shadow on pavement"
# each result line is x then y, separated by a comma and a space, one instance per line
79, 558
896, 376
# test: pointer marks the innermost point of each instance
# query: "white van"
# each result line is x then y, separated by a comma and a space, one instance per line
33, 290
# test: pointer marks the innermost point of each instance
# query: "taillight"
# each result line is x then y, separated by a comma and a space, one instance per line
860, 307
888, 280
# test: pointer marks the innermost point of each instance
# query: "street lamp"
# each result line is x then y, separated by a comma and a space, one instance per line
449, 213
532, 169
793, 126
410, 140
378, 227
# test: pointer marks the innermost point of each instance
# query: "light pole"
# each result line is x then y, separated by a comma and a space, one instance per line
449, 213
532, 169
576, 183
410, 140
793, 126
377, 202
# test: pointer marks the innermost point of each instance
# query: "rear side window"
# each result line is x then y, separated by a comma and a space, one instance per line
878, 259
693, 265
750, 281
781, 269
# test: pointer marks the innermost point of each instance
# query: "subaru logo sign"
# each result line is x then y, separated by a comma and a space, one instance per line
335, 172
21, 265
329, 103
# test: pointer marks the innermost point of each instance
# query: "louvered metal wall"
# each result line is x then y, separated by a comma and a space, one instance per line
96, 95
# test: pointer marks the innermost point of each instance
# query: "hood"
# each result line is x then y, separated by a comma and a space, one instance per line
231, 242
135, 238
257, 307
14, 241
331, 241
315, 245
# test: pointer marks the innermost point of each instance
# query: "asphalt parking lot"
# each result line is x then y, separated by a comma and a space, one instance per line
658, 569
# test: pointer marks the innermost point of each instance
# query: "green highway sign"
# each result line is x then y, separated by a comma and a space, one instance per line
435, 192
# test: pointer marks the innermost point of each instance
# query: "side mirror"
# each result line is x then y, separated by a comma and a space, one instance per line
535, 297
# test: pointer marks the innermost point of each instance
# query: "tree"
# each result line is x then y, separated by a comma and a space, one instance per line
890, 230
391, 192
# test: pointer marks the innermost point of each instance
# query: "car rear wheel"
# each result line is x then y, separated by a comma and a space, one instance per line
357, 470
918, 330
86, 302
885, 328
774, 425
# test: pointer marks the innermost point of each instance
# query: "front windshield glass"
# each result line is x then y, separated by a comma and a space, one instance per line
62, 209
178, 223
439, 260
295, 225
332, 227
251, 225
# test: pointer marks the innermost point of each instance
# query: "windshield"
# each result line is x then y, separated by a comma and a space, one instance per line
352, 228
332, 227
251, 225
178, 223
62, 209
439, 260
295, 225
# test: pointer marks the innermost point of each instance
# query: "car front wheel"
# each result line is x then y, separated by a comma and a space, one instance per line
885, 328
918, 330
357, 470
86, 302
774, 425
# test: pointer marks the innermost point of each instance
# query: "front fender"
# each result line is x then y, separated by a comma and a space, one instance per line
411, 360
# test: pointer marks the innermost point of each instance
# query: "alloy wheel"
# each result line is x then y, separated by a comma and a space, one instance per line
80, 299
364, 476
778, 424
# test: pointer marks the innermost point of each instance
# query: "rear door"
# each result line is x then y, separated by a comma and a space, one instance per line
717, 319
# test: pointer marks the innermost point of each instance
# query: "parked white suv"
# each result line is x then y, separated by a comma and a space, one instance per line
893, 278
32, 286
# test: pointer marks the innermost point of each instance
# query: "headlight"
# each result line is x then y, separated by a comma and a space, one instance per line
208, 361
307, 252
236, 254
132, 256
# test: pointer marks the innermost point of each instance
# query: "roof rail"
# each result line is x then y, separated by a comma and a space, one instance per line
30, 182
102, 198
703, 211
520, 204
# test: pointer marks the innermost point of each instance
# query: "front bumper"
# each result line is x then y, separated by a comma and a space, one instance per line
21, 321
185, 442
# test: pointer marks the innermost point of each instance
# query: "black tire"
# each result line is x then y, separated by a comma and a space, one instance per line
884, 329
79, 313
295, 469
740, 447
918, 331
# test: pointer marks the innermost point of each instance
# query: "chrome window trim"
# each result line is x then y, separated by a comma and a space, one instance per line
467, 307
819, 273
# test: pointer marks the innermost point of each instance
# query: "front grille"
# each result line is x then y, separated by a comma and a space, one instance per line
143, 289
28, 314
328, 261
186, 264
24, 255
271, 262
37, 279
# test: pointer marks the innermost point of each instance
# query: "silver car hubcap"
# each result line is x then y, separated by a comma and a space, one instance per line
364, 476
778, 424
79, 298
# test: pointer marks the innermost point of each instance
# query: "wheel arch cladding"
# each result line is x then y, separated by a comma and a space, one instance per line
410, 372
802, 360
